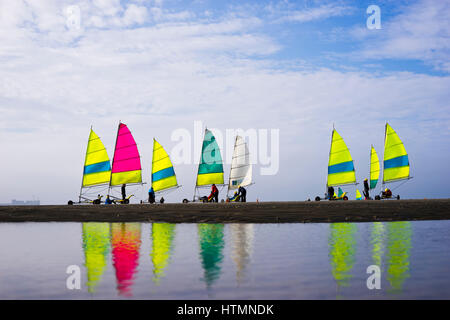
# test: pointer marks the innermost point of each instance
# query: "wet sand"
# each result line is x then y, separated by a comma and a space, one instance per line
251, 212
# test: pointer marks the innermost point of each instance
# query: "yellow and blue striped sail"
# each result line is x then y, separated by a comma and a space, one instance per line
374, 168
163, 174
97, 168
395, 162
210, 169
340, 165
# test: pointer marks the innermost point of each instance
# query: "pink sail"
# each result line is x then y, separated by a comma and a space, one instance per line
126, 167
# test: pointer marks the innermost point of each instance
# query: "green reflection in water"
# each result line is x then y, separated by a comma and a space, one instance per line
125, 242
377, 241
342, 246
96, 239
398, 247
211, 239
162, 246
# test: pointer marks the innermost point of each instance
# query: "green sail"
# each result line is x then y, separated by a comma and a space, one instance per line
210, 169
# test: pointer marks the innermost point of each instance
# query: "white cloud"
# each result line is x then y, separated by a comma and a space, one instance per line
162, 77
135, 15
421, 31
317, 13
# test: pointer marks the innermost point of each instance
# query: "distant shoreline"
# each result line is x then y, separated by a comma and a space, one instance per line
251, 212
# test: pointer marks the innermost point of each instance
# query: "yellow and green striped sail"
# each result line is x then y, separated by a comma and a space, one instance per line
210, 169
395, 162
162, 244
374, 168
163, 175
97, 168
340, 165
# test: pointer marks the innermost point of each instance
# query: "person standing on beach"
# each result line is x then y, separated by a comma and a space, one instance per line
330, 193
151, 195
124, 195
215, 193
366, 189
242, 193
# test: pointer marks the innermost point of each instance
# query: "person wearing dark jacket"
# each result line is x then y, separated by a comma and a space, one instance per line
330, 193
242, 193
151, 195
366, 189
124, 195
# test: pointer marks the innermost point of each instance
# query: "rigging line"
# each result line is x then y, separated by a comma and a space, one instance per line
127, 146
242, 155
154, 161
244, 165
339, 151
394, 145
118, 160
104, 149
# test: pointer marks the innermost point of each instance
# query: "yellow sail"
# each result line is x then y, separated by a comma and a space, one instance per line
340, 165
163, 174
97, 168
396, 161
374, 168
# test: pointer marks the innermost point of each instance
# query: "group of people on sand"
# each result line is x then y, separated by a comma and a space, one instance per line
111, 201
387, 193
240, 195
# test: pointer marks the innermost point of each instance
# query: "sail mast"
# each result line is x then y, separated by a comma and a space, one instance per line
82, 176
114, 155
231, 168
199, 162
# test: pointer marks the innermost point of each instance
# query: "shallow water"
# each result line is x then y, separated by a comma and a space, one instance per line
225, 261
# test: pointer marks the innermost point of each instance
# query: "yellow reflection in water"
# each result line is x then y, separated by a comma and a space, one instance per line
96, 248
342, 246
162, 241
211, 240
126, 242
398, 247
377, 241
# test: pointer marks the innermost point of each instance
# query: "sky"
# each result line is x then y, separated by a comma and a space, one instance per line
292, 67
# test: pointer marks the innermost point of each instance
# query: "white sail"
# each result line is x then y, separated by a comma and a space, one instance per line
241, 168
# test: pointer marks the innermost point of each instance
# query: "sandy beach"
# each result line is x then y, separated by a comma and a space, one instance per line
251, 212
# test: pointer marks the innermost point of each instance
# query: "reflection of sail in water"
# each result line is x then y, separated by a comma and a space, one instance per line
242, 237
126, 241
96, 249
377, 242
398, 246
342, 245
211, 246
162, 239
